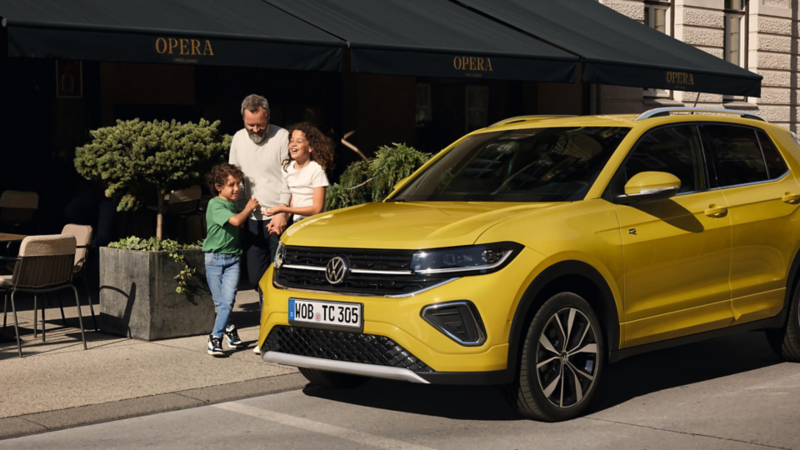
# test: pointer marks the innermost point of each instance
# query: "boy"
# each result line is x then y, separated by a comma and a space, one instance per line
223, 249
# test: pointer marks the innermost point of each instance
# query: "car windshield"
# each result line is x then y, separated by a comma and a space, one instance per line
530, 165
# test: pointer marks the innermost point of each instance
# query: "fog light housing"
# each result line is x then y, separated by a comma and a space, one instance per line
459, 320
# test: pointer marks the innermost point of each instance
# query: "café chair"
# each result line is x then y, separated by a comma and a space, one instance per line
83, 237
18, 209
45, 264
182, 205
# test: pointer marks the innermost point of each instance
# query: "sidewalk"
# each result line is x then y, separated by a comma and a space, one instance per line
58, 385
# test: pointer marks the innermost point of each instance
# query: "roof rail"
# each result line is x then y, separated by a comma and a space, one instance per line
529, 118
658, 112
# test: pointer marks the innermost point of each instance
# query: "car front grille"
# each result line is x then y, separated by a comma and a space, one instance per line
342, 346
390, 271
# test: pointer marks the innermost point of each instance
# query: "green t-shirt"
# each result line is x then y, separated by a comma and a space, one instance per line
222, 237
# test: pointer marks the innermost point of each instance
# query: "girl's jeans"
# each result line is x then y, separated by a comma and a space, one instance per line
222, 273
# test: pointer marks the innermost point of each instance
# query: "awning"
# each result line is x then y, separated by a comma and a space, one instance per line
248, 33
432, 38
618, 50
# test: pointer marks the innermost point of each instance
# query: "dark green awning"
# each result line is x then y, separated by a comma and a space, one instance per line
432, 38
618, 50
248, 33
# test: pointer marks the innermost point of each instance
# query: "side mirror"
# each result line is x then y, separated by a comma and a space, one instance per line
400, 183
649, 186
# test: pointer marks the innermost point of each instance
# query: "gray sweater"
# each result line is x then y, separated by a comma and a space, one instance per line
263, 172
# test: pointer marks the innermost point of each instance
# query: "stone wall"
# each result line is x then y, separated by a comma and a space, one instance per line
772, 52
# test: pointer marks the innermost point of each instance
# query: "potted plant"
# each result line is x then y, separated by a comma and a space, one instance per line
372, 180
152, 289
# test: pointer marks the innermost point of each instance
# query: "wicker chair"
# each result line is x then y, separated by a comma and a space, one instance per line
183, 204
18, 209
45, 264
83, 237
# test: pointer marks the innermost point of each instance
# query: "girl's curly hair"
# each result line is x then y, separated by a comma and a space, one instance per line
322, 145
219, 175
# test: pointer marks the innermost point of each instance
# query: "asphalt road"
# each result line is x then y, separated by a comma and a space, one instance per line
729, 393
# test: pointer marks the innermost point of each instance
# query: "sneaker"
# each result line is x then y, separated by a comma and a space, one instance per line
232, 336
256, 349
215, 346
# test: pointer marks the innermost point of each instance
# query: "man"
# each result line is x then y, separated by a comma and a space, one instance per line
259, 150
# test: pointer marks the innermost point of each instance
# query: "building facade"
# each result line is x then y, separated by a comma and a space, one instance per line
762, 36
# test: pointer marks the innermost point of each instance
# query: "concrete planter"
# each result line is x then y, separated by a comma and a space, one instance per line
138, 298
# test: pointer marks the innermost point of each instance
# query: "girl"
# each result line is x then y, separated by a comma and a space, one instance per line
222, 251
310, 155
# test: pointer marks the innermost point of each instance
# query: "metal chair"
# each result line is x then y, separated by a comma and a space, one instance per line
18, 209
183, 204
45, 264
84, 238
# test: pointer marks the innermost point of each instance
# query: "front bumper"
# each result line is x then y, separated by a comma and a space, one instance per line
495, 296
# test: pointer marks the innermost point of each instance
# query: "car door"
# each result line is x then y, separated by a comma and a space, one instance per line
762, 198
677, 251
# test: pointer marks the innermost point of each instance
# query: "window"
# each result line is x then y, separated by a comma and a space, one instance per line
676, 150
657, 16
737, 154
735, 38
776, 166
527, 165
477, 107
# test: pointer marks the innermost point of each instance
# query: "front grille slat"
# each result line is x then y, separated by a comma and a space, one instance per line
356, 283
343, 346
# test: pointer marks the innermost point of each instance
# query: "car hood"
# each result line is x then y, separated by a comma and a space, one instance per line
401, 225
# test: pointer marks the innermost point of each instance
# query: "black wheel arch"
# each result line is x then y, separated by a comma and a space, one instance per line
566, 276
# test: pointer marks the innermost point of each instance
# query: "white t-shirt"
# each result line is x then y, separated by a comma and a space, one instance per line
302, 183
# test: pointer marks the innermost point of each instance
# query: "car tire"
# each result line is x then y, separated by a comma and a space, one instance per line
333, 380
550, 351
786, 341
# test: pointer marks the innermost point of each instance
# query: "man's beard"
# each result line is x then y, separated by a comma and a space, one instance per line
256, 138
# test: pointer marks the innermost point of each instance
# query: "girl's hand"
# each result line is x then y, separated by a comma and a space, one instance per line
274, 210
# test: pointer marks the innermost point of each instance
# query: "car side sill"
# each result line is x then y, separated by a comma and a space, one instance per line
367, 370
773, 322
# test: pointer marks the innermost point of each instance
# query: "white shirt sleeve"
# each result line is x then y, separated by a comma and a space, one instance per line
319, 179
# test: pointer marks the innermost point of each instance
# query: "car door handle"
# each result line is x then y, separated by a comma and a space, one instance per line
716, 211
791, 198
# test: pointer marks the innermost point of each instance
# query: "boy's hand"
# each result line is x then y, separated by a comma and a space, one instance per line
252, 204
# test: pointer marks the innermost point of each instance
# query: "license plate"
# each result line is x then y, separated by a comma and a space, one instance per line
330, 315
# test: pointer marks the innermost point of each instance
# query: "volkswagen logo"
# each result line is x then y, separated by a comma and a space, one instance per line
336, 270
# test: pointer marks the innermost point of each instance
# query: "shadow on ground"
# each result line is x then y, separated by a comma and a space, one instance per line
623, 381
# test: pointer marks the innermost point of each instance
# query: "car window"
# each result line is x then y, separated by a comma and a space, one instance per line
676, 150
737, 154
526, 165
776, 166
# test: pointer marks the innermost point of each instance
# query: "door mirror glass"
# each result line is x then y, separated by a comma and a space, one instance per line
649, 186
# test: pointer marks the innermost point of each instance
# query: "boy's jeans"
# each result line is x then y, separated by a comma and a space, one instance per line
222, 273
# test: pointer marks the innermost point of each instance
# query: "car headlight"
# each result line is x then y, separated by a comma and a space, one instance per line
280, 255
463, 261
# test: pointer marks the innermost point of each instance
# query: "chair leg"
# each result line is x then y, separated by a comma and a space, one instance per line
44, 306
61, 306
16, 325
80, 317
89, 299
35, 316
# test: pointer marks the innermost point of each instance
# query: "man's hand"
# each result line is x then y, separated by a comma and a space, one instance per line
277, 224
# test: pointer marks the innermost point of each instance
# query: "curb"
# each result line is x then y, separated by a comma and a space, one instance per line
17, 426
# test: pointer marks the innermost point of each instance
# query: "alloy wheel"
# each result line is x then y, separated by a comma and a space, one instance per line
566, 358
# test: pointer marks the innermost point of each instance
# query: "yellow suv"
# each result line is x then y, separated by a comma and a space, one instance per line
534, 251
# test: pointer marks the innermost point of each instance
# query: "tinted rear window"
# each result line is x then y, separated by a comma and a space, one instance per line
776, 166
737, 154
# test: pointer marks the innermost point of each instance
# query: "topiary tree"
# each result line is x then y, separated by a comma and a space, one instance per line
134, 156
373, 180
